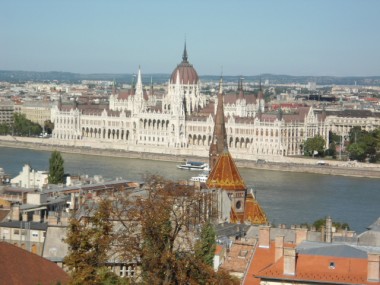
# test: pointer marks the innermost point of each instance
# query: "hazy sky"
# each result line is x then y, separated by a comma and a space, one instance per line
304, 37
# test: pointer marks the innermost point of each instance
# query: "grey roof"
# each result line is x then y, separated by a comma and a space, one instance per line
289, 234
231, 230
19, 224
375, 226
336, 249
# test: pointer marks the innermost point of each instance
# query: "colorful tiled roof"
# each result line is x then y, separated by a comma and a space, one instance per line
225, 174
253, 212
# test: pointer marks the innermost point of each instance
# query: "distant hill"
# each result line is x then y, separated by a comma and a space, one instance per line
68, 77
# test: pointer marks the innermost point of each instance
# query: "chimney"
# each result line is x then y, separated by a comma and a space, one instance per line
264, 236
290, 261
279, 247
301, 235
328, 230
37, 216
24, 217
15, 213
52, 219
373, 274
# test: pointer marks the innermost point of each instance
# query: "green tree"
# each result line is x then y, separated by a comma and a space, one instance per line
4, 129
89, 240
49, 127
24, 127
56, 168
318, 224
334, 138
364, 145
315, 144
331, 151
205, 247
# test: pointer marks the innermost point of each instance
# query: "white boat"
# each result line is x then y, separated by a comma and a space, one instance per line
194, 165
201, 177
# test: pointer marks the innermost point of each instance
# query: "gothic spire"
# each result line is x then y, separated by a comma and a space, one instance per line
184, 56
219, 139
240, 88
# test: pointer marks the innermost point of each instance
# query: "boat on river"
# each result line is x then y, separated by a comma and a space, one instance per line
200, 178
194, 165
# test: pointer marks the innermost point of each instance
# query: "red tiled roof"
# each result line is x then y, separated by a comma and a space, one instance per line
218, 249
20, 267
309, 268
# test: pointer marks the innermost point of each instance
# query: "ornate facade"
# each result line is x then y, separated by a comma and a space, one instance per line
182, 122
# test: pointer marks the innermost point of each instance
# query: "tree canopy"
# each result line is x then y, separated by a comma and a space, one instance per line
314, 146
56, 168
163, 230
364, 145
24, 127
89, 240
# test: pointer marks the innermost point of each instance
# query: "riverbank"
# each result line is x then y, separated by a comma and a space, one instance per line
342, 169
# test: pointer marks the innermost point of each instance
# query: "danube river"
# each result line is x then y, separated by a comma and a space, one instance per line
287, 197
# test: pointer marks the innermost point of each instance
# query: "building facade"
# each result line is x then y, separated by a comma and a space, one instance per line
182, 121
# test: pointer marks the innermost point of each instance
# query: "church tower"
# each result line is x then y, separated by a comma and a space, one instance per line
225, 176
219, 138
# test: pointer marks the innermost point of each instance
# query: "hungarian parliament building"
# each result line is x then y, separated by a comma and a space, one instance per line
181, 121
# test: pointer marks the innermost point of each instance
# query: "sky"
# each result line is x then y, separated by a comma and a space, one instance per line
241, 37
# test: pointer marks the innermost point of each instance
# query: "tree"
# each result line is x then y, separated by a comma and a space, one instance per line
48, 126
89, 239
160, 230
205, 247
364, 145
318, 224
56, 168
156, 229
24, 127
331, 151
4, 129
315, 144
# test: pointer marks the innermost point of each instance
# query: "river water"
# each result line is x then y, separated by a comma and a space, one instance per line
287, 197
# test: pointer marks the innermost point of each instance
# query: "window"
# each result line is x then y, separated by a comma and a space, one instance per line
127, 271
332, 265
238, 204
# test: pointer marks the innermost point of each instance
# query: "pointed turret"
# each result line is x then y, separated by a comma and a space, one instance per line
219, 138
114, 87
279, 114
60, 101
151, 87
261, 100
240, 91
184, 56
139, 88
139, 94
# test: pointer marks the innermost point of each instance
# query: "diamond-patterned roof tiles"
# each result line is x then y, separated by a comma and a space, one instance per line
225, 174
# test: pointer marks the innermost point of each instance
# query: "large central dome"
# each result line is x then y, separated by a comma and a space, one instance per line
187, 73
